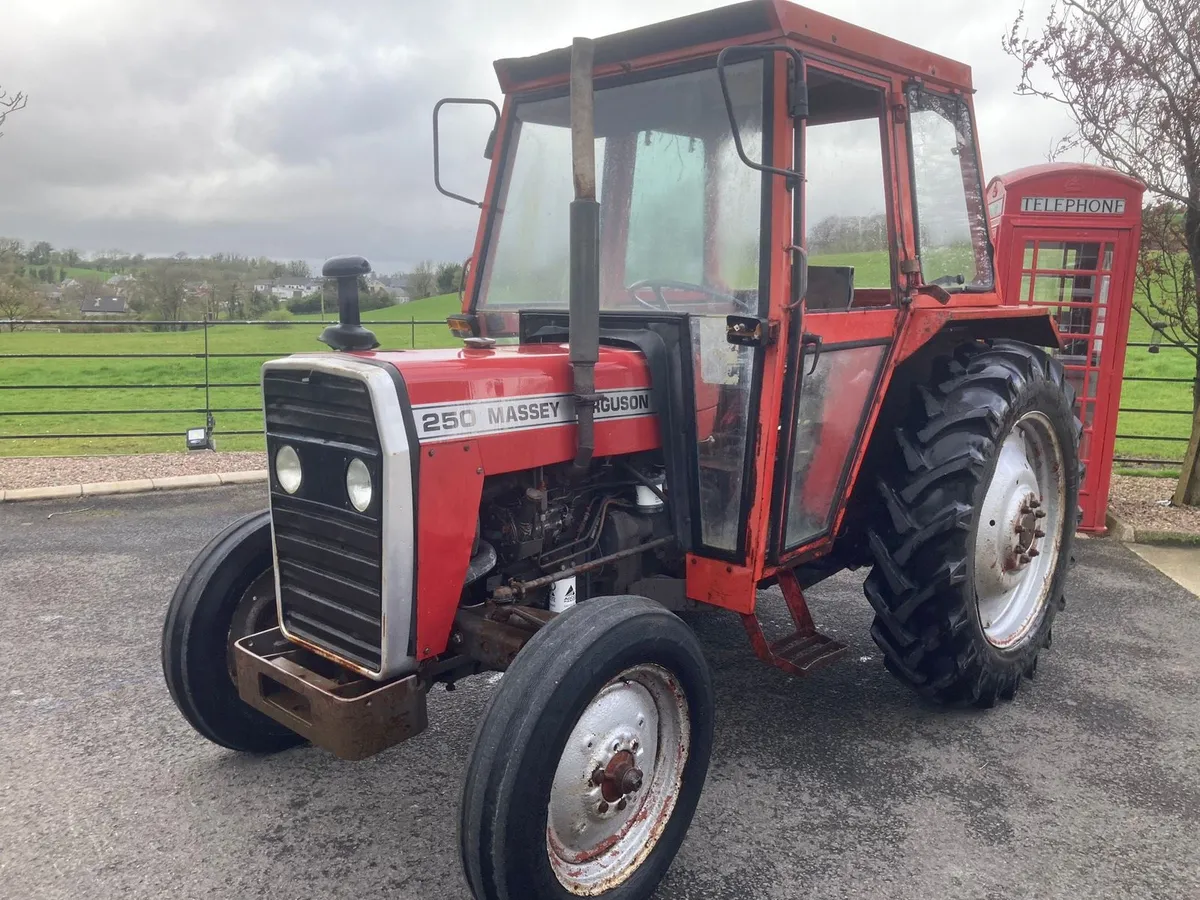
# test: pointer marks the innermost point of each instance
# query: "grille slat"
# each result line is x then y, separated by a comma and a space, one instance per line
344, 591
330, 556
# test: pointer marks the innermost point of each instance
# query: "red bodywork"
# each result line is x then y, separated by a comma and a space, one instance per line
899, 320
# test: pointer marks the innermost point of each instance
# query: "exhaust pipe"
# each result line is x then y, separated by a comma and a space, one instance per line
348, 334
584, 318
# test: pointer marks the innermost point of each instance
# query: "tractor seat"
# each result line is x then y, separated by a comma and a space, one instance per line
830, 288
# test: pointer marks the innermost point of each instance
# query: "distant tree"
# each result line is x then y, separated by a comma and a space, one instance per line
449, 277
1128, 74
18, 300
423, 281
10, 103
298, 268
39, 253
70, 257
259, 304
160, 291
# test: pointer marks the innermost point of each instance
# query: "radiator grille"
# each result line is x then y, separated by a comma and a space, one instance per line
329, 554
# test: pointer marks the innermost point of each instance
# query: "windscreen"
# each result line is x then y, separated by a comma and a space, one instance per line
680, 213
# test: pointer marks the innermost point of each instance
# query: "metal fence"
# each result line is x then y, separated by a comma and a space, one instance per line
1182, 413
224, 399
27, 345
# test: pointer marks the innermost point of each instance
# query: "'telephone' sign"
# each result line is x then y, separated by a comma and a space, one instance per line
1087, 206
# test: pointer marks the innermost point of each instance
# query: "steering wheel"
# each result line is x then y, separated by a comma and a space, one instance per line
658, 284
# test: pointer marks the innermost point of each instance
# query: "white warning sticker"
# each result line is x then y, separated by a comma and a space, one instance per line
470, 418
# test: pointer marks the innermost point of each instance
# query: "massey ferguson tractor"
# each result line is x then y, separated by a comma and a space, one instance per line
731, 321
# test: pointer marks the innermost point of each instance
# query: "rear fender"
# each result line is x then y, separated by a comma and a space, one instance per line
1030, 324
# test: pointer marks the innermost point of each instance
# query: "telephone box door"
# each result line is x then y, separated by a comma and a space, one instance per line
1077, 274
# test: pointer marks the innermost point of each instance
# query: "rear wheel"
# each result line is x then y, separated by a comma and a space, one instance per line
226, 593
590, 758
970, 560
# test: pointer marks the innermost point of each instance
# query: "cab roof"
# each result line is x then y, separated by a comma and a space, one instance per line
755, 21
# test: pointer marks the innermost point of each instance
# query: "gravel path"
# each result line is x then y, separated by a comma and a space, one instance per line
1138, 502
46, 471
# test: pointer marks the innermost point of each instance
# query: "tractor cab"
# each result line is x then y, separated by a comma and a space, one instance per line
772, 203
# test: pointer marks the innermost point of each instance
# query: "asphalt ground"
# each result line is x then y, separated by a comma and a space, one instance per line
840, 785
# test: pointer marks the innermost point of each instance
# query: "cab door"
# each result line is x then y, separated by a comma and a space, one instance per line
840, 336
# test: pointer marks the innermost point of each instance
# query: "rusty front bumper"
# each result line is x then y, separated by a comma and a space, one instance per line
348, 715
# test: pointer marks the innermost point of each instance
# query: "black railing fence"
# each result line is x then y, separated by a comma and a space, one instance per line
1175, 418
156, 379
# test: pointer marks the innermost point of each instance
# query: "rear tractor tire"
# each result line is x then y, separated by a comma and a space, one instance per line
981, 502
227, 592
590, 758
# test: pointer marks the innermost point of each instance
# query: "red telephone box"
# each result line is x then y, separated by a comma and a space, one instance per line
1067, 237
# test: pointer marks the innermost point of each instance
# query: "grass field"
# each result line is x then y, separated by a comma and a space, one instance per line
105, 385
135, 381
1169, 362
87, 274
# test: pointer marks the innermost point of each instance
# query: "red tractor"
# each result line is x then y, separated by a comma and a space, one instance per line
732, 322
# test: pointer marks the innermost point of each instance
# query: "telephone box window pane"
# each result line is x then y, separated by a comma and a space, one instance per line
724, 375
1061, 255
1064, 289
1026, 284
1108, 257
833, 400
1030, 249
1104, 290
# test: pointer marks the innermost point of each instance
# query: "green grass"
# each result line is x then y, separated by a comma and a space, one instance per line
182, 406
1167, 363
870, 269
300, 335
87, 274
428, 309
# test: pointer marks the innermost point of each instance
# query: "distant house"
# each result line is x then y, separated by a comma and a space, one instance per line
104, 306
195, 290
289, 287
397, 286
119, 280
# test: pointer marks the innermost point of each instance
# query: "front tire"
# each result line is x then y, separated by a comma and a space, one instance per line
226, 593
590, 758
981, 505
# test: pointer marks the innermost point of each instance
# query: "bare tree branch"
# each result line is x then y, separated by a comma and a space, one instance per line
10, 104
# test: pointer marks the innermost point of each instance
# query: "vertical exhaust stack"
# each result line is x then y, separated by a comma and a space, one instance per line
348, 334
584, 323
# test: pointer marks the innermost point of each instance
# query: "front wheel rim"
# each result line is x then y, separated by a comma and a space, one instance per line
617, 780
1020, 532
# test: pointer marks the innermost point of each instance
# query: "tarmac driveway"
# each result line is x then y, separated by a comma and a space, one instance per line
841, 785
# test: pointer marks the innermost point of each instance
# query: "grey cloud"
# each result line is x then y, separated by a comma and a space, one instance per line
301, 129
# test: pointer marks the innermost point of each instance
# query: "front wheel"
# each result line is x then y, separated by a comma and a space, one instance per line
227, 592
591, 757
971, 557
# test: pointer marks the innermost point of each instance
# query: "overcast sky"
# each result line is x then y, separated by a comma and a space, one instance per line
284, 128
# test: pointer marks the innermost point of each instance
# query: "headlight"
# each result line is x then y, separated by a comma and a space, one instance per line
358, 484
287, 468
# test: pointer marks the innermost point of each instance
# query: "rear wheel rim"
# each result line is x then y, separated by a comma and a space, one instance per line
1020, 531
617, 780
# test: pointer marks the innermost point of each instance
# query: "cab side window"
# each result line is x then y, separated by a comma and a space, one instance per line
846, 210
